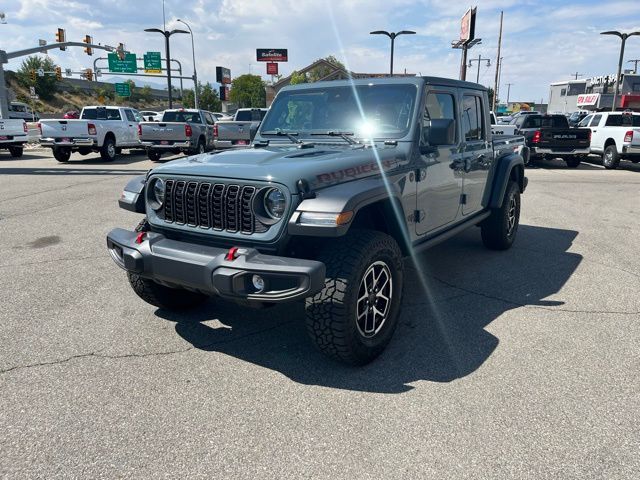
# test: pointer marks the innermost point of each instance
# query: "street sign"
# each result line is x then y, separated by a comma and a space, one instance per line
67, 72
41, 72
123, 89
127, 65
272, 68
34, 97
32, 90
223, 75
272, 55
152, 62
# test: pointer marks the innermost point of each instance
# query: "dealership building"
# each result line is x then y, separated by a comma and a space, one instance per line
595, 93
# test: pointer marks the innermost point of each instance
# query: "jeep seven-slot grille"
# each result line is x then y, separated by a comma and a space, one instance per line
212, 205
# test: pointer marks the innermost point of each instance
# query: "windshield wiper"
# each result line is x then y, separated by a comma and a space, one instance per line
335, 133
282, 133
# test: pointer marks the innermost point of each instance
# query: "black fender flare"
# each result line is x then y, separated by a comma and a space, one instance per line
132, 197
345, 197
503, 174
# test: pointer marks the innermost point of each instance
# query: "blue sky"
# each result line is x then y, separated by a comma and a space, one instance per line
543, 41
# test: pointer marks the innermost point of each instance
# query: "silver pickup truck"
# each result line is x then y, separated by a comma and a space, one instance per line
239, 132
180, 130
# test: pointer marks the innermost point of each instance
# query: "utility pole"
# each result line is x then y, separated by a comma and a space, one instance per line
508, 90
498, 63
576, 75
635, 65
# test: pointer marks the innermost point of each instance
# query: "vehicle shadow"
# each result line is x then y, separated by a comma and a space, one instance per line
451, 294
624, 164
559, 164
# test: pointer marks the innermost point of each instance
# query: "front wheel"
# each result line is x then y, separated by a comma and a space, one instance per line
355, 315
16, 152
499, 230
62, 154
610, 158
154, 156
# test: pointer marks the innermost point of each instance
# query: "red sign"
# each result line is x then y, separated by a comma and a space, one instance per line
468, 25
272, 69
587, 99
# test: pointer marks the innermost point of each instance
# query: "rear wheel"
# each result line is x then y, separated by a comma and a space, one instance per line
108, 150
573, 162
499, 230
16, 152
355, 315
62, 154
610, 157
154, 156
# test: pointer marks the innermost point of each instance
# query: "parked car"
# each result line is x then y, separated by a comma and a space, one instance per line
615, 136
73, 114
576, 117
343, 180
550, 136
239, 132
221, 116
500, 129
180, 130
151, 116
22, 111
100, 129
13, 135
521, 113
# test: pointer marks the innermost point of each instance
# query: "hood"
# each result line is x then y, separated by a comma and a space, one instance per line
321, 165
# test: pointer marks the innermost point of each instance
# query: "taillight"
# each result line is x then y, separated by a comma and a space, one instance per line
215, 130
139, 130
628, 136
40, 128
24, 126
536, 136
91, 128
187, 130
590, 132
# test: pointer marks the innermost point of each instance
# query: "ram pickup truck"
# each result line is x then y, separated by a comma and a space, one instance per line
343, 180
180, 130
550, 136
615, 136
239, 132
106, 130
500, 128
13, 136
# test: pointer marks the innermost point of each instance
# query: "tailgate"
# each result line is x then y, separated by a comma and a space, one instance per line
10, 127
569, 138
160, 132
64, 128
234, 131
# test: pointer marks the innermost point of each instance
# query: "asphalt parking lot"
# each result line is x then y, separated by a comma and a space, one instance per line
518, 364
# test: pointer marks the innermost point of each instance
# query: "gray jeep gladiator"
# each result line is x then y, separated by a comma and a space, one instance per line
343, 180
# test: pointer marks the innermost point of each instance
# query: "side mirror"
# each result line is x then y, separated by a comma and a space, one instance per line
442, 131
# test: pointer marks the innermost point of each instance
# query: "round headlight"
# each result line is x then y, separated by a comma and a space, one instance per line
275, 203
158, 193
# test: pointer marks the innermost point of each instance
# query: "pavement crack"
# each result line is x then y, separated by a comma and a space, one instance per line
40, 262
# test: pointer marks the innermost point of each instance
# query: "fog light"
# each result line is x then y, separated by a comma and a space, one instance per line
258, 283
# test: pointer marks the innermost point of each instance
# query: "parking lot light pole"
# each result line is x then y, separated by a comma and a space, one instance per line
167, 34
392, 36
623, 37
195, 74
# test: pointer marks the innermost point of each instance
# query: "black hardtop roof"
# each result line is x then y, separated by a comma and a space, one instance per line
418, 81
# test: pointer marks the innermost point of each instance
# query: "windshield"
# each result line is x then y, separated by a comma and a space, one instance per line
188, 117
386, 111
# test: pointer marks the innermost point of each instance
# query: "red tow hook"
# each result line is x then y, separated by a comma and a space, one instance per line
140, 237
232, 254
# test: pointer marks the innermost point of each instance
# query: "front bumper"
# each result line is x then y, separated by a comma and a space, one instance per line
559, 153
207, 269
160, 146
71, 142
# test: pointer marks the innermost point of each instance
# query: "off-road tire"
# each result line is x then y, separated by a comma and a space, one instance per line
573, 162
154, 156
331, 315
108, 151
62, 154
16, 152
164, 297
499, 230
611, 158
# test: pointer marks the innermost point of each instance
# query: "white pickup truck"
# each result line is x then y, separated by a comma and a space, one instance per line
100, 129
13, 136
615, 136
501, 129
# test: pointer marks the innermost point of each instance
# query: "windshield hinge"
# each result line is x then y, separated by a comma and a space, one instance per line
416, 216
420, 174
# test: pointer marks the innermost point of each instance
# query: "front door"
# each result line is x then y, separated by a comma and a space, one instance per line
439, 185
478, 152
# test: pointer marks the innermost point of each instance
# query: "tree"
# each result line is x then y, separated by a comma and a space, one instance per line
321, 71
145, 94
208, 98
45, 86
297, 78
248, 91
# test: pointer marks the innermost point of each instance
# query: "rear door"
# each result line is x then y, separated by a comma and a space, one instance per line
478, 152
210, 121
131, 128
439, 185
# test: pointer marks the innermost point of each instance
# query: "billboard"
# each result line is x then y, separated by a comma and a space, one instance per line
223, 75
272, 55
468, 25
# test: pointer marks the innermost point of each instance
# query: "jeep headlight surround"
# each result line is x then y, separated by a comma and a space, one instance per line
157, 194
274, 202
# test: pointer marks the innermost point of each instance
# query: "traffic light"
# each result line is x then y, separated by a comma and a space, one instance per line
61, 37
120, 51
88, 40
32, 76
88, 74
58, 73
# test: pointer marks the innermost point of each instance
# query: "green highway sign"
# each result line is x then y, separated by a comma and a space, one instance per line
152, 62
128, 65
123, 89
